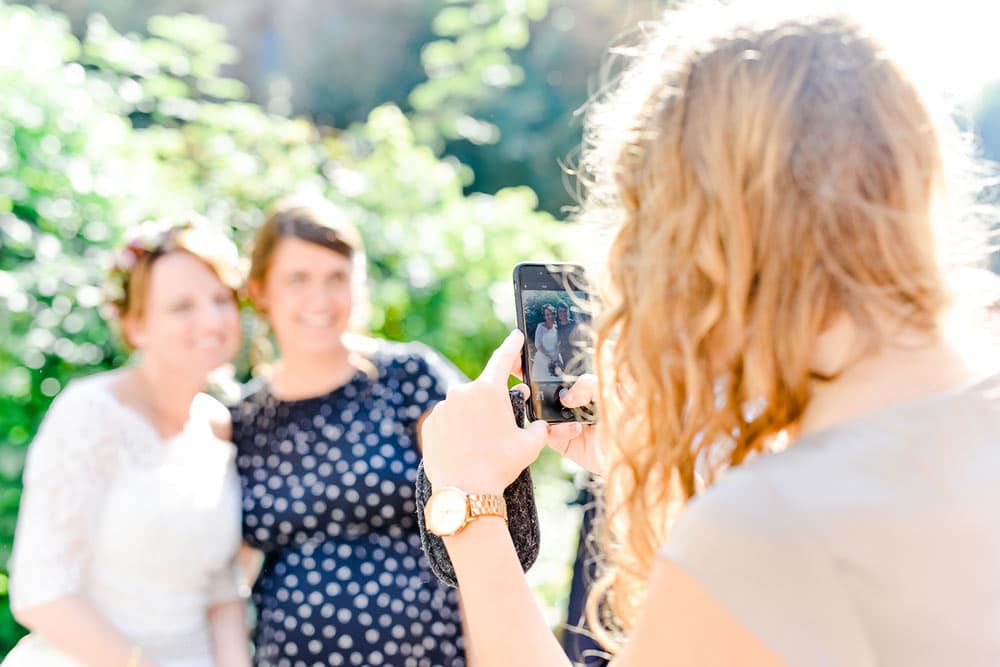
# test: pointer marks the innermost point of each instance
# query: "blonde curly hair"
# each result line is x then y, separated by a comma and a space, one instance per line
761, 178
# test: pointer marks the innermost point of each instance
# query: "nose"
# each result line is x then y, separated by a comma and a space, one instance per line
215, 316
320, 297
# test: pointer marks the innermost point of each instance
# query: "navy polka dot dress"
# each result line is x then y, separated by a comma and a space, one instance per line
328, 497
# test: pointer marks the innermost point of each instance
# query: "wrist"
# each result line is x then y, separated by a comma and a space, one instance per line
470, 481
477, 530
450, 509
471, 487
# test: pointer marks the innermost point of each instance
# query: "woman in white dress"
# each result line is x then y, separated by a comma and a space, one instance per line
124, 554
546, 364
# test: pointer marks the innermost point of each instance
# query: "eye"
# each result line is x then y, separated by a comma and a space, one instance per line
339, 278
183, 306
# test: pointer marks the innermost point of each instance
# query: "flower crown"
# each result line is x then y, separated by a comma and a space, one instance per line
150, 238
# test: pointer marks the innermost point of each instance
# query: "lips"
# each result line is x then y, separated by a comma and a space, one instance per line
316, 321
211, 343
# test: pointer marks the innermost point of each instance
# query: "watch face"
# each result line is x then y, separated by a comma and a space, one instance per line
445, 512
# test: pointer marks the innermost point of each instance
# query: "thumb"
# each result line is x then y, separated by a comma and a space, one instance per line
537, 432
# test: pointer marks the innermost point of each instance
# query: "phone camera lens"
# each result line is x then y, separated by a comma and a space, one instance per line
567, 413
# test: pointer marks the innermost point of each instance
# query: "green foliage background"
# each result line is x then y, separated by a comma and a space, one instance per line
100, 130
100, 133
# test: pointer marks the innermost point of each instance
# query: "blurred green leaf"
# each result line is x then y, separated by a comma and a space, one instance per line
452, 21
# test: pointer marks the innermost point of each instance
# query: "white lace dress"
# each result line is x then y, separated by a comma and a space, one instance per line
546, 351
145, 529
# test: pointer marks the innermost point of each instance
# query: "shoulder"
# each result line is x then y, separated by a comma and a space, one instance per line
769, 499
80, 422
754, 527
211, 410
739, 510
386, 352
82, 396
754, 545
408, 360
243, 415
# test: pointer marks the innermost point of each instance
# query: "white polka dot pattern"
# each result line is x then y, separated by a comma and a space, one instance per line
328, 497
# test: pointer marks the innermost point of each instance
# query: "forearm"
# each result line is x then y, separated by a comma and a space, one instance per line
497, 602
74, 626
230, 643
470, 651
250, 561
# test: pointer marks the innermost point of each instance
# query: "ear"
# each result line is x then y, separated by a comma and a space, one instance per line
838, 345
134, 331
255, 289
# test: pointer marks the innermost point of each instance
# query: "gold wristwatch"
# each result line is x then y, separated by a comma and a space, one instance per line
450, 509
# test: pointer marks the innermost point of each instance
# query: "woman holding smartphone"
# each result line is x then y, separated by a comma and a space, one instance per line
328, 454
773, 280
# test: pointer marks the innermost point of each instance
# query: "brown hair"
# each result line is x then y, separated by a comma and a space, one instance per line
761, 179
128, 280
313, 220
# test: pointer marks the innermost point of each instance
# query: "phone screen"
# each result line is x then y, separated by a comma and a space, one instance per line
554, 313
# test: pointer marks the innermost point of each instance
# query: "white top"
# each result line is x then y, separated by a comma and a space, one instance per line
547, 340
546, 351
145, 529
872, 543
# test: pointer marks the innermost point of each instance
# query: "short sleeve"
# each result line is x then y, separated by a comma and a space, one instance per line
743, 544
432, 376
68, 467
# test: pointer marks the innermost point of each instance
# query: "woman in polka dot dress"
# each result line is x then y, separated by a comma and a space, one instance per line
327, 454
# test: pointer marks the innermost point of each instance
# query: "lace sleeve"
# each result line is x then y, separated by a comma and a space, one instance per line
65, 477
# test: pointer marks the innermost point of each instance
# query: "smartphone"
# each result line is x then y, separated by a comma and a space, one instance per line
553, 311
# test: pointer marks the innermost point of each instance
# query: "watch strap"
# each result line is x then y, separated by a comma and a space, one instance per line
486, 504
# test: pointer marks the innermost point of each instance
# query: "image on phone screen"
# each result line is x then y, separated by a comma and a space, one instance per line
554, 314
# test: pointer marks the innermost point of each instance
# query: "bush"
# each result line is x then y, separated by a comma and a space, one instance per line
101, 134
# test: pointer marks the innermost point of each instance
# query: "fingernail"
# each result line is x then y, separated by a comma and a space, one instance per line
577, 429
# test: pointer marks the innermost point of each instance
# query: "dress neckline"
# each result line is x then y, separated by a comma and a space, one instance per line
137, 417
357, 376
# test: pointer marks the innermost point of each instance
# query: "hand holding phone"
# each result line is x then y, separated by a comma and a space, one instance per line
553, 313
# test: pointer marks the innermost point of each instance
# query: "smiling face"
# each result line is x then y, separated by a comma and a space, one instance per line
306, 294
189, 320
563, 315
550, 316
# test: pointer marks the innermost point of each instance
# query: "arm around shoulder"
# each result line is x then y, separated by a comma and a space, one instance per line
217, 415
